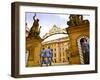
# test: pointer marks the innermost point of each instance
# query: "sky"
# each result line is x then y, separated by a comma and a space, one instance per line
47, 20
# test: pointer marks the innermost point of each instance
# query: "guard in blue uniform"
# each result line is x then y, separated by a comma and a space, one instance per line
42, 56
48, 56
85, 50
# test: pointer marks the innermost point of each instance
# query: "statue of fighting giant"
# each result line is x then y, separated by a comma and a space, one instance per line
35, 29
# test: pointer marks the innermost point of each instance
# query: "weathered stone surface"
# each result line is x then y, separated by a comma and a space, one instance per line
82, 29
33, 45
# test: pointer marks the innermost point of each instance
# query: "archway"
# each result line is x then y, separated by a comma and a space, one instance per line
84, 58
55, 30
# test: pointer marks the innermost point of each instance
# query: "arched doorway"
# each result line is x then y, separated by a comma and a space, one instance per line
83, 47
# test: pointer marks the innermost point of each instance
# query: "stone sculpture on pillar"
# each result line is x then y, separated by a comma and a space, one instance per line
76, 20
33, 43
35, 29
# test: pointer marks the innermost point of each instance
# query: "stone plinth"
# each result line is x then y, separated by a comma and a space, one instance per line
33, 45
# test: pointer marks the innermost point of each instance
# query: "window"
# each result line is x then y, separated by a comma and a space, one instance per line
63, 53
60, 54
55, 60
54, 54
63, 59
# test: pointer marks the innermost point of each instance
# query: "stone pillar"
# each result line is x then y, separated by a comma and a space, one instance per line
33, 45
74, 33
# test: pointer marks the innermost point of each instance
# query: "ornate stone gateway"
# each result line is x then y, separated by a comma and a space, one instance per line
53, 31
33, 42
77, 28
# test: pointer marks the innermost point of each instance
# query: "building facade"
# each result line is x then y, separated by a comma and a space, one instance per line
60, 49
